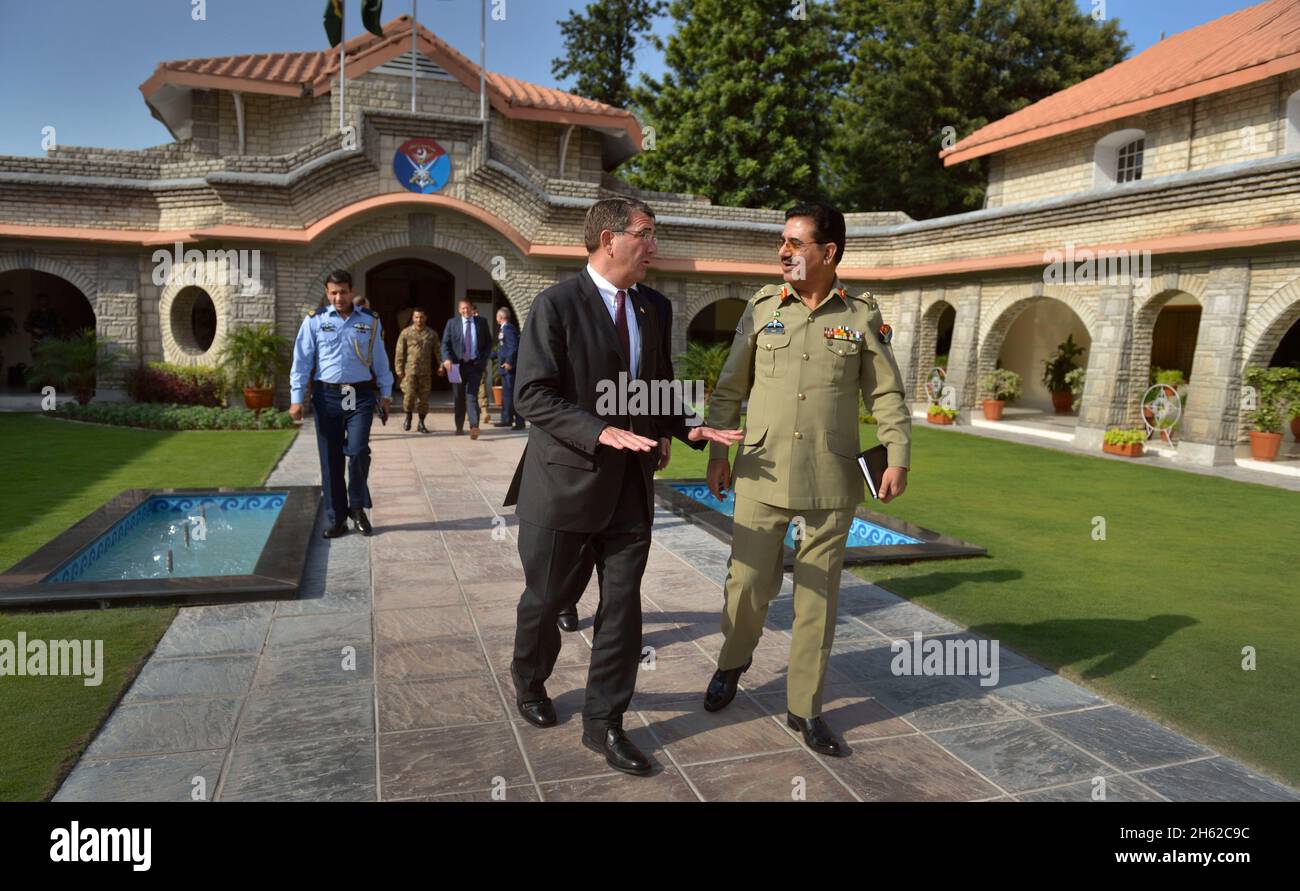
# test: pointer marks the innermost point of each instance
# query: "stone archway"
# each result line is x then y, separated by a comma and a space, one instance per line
56, 298
1265, 329
928, 339
515, 281
1010, 305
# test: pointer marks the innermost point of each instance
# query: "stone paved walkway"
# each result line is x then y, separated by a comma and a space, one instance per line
256, 700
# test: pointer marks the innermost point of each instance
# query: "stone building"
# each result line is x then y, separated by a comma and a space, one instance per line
1186, 157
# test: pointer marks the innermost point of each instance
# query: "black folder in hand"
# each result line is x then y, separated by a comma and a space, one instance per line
873, 463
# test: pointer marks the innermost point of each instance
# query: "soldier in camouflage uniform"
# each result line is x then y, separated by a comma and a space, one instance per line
803, 351
418, 350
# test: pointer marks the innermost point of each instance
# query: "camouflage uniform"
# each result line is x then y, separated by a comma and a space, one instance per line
417, 357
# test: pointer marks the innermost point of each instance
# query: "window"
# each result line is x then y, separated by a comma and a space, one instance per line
194, 320
1118, 158
1128, 168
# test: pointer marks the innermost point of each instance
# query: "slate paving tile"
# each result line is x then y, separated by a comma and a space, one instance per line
188, 678
438, 702
330, 769
454, 759
1116, 788
1018, 755
315, 633
178, 726
1124, 739
1215, 779
324, 667
278, 715
169, 777
785, 776
909, 768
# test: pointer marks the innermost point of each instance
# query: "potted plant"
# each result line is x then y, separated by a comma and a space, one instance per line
1005, 385
1124, 442
1055, 371
937, 414
252, 356
70, 364
702, 362
1276, 391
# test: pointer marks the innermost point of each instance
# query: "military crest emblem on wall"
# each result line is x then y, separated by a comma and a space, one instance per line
422, 165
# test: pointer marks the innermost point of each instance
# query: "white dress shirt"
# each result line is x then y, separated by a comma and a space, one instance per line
608, 293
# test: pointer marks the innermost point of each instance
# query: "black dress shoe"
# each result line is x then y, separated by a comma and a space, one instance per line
539, 712
363, 524
501, 424
335, 531
722, 688
520, 427
421, 427
816, 735
406, 425
460, 432
619, 751
568, 620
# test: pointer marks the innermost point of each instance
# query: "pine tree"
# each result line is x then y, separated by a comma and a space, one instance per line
599, 48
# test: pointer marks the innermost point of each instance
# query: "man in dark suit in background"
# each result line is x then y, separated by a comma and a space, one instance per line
585, 477
467, 342
507, 355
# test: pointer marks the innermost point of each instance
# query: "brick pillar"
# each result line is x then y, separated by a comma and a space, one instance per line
1214, 396
117, 319
1106, 390
963, 358
907, 338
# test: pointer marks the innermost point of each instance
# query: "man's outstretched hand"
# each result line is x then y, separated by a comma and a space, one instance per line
626, 439
725, 437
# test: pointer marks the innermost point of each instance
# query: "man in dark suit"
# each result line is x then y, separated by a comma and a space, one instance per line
568, 619
585, 478
507, 355
467, 342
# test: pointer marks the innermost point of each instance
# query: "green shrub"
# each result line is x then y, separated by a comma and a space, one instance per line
159, 416
936, 409
1118, 436
1003, 383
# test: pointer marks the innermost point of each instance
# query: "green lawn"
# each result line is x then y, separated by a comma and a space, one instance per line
1193, 569
56, 473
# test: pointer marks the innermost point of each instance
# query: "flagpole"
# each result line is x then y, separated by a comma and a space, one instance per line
414, 26
482, 73
343, 44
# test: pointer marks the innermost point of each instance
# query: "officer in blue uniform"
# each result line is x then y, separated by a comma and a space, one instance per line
335, 351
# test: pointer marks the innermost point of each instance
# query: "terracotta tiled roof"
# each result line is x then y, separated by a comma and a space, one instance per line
314, 73
1250, 45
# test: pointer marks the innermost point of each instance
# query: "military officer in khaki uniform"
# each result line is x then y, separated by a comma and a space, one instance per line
811, 347
418, 350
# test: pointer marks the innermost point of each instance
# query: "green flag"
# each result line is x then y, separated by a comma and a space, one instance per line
371, 11
334, 21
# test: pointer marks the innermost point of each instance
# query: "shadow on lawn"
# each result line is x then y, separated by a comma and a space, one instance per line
1123, 642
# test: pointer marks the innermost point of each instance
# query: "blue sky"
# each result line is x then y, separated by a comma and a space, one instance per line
77, 64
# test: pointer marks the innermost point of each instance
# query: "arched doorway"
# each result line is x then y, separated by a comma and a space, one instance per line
716, 323
36, 305
1022, 338
397, 287
935, 342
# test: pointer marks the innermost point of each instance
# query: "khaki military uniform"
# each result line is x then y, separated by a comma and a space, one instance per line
802, 371
416, 360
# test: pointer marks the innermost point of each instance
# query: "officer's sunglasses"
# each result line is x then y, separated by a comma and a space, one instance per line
796, 244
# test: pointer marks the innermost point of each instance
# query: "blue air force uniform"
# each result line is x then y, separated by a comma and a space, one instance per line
337, 353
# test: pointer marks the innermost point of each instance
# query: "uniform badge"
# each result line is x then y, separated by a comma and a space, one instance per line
363, 328
776, 326
885, 333
328, 326
840, 333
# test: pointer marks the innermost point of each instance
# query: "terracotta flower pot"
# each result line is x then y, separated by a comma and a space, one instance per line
257, 398
938, 419
496, 395
1264, 446
1062, 400
993, 409
1128, 449
1295, 428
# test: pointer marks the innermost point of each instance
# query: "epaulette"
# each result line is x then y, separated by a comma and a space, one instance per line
765, 292
869, 299
311, 312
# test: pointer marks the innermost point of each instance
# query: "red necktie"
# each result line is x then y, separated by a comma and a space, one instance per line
620, 322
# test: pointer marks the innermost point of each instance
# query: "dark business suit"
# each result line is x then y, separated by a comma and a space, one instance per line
507, 353
471, 372
573, 493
